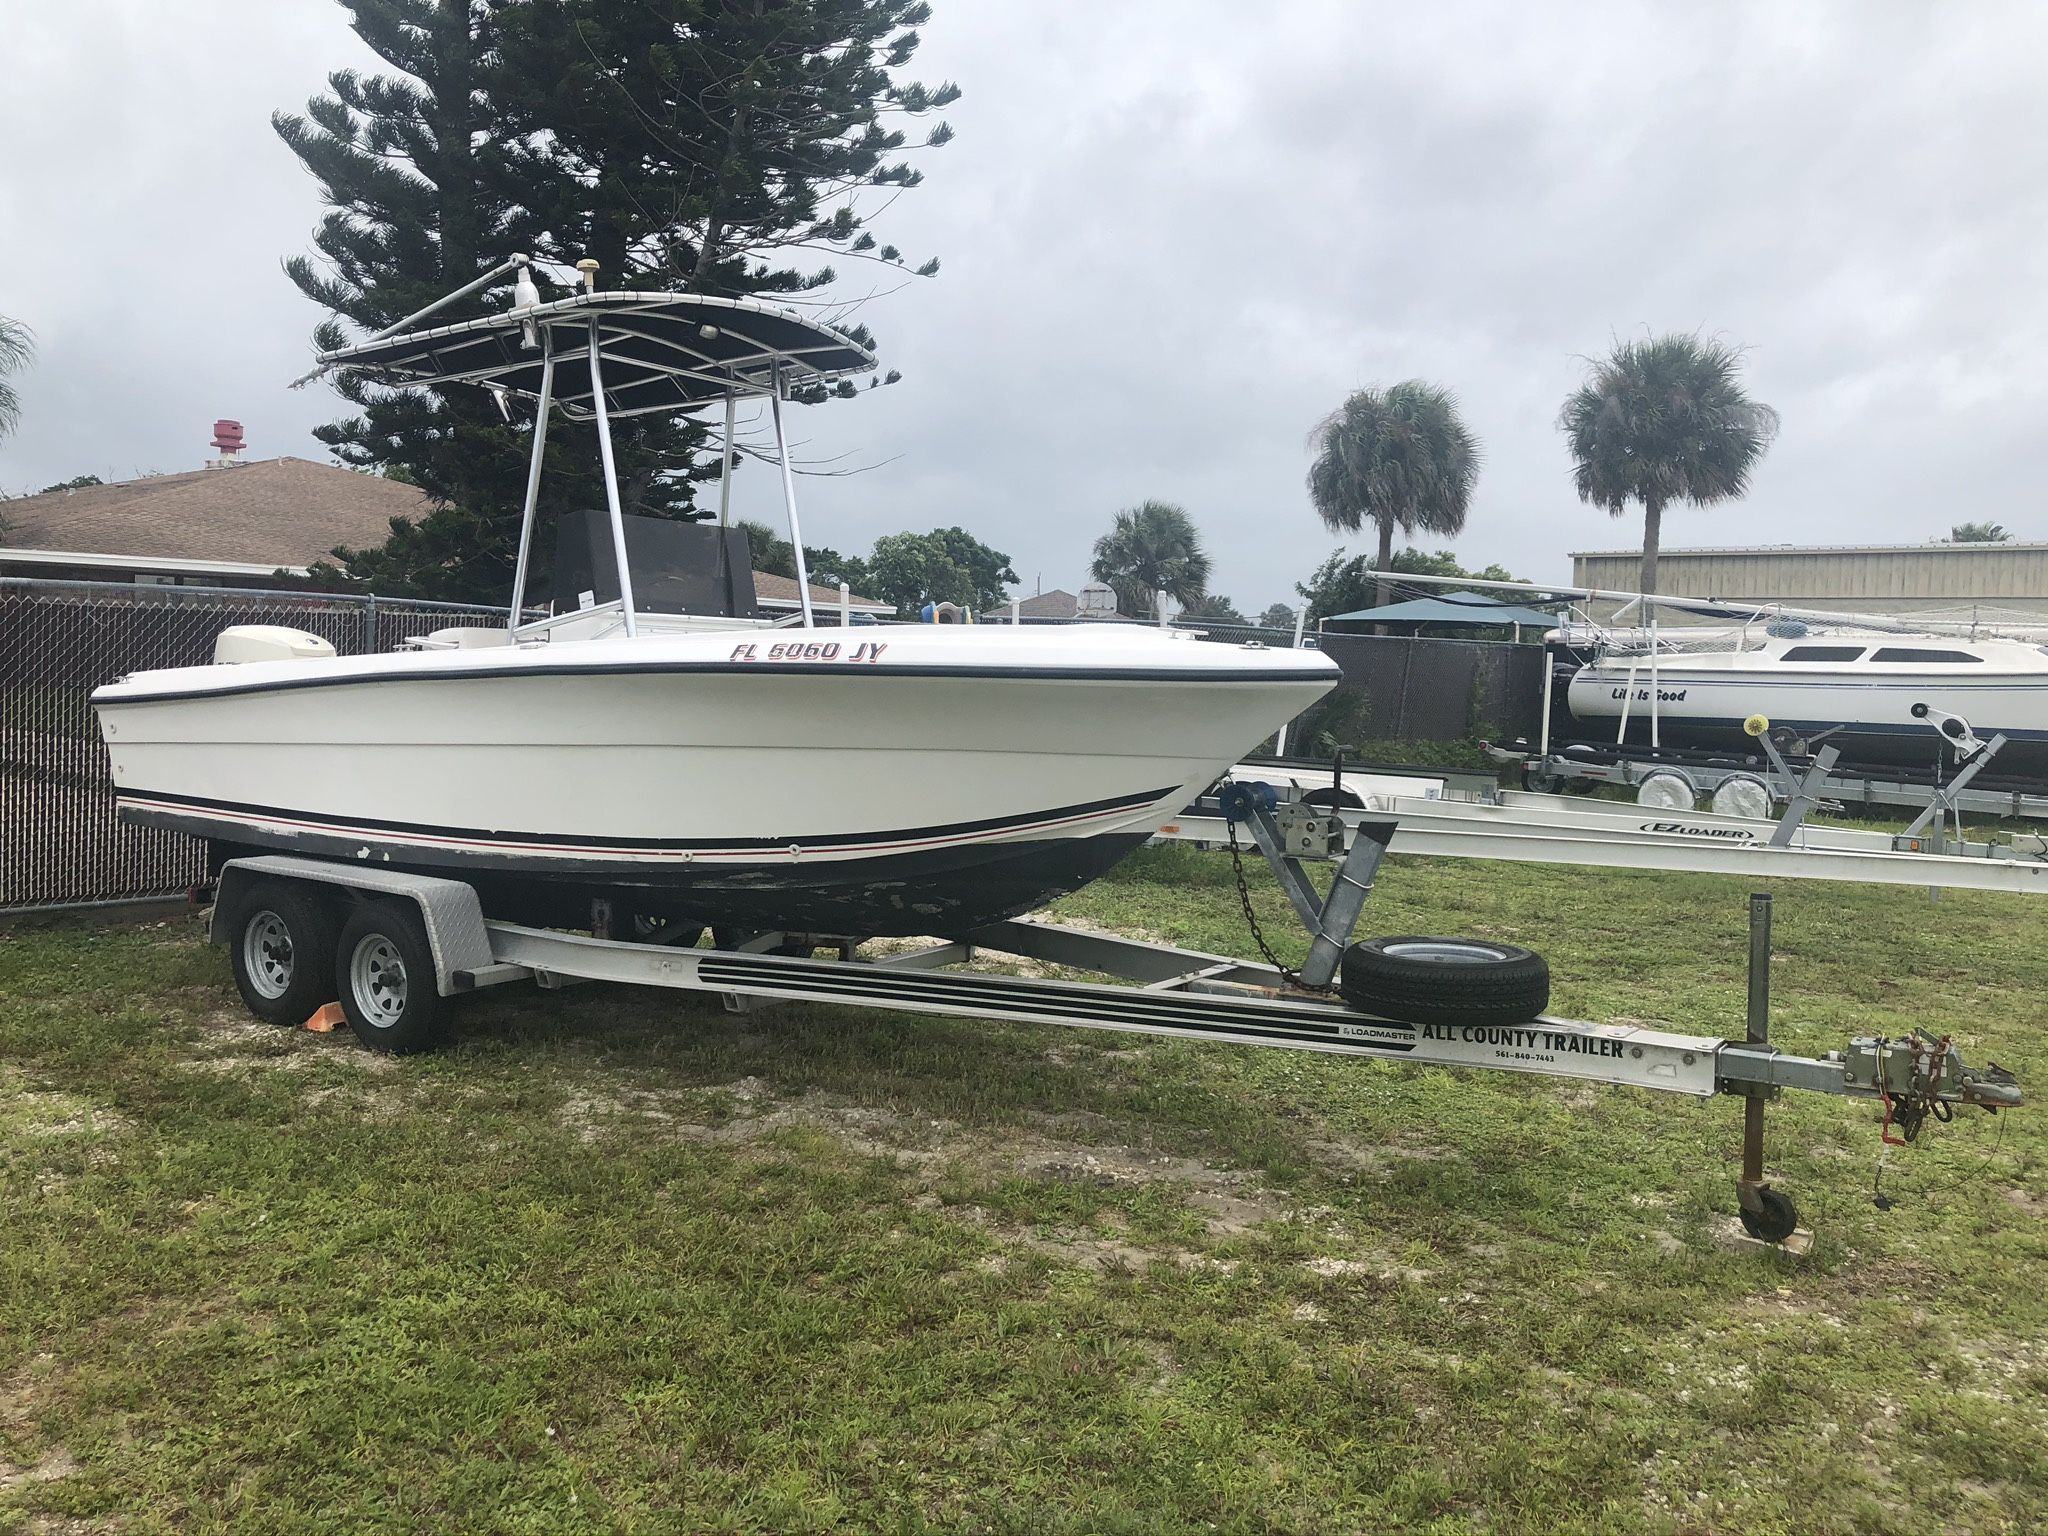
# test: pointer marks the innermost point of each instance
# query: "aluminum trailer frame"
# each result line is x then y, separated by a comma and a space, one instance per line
1647, 840
1707, 772
1178, 993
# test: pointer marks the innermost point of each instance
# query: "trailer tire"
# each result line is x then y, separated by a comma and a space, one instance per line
385, 973
1420, 980
1775, 1219
283, 950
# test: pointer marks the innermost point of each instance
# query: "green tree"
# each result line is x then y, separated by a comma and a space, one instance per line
1217, 608
1660, 420
546, 126
771, 553
947, 565
1151, 548
1978, 533
1278, 616
1399, 457
17, 351
828, 568
75, 483
701, 146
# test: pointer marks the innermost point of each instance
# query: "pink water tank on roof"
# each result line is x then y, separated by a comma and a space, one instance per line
227, 436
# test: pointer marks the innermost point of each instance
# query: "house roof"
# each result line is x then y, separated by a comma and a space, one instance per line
1056, 604
780, 592
253, 518
1451, 608
270, 514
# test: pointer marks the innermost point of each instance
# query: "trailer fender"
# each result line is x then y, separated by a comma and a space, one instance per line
449, 910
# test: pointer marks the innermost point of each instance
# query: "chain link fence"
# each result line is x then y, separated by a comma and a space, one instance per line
60, 844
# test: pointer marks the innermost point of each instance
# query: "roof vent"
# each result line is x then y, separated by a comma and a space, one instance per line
228, 443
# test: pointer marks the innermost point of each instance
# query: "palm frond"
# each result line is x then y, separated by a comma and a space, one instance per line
17, 351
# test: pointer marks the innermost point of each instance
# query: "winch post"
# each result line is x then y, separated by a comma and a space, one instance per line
1284, 837
1805, 791
1944, 802
1341, 908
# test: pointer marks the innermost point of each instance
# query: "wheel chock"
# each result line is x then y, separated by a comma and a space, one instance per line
327, 1018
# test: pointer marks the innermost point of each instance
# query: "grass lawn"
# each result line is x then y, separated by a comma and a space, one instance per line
625, 1262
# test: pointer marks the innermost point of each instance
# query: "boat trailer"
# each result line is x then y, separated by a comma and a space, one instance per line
399, 946
1471, 816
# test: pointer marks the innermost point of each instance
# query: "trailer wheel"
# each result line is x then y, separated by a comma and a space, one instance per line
1743, 794
385, 973
283, 951
1777, 1219
1665, 790
1445, 981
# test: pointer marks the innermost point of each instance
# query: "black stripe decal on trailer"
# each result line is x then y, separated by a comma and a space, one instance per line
1165, 1010
352, 825
741, 669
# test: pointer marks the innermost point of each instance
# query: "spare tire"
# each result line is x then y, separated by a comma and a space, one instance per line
1445, 981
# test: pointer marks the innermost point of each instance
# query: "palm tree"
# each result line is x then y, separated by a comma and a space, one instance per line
1660, 420
17, 351
1151, 548
1399, 457
1978, 533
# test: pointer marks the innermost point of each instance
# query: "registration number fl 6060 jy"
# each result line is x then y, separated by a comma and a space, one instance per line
809, 650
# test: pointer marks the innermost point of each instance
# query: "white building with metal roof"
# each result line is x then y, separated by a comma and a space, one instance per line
1948, 579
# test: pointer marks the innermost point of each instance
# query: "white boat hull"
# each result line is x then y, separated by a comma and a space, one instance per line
1868, 709
950, 779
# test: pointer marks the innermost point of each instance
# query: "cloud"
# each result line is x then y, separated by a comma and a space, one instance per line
1174, 234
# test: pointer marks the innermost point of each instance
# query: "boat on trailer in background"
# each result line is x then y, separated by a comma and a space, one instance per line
1866, 683
707, 766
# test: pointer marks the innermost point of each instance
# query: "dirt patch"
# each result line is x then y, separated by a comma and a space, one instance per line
2033, 1204
31, 1113
18, 1392
42, 1125
1228, 1202
1378, 1269
235, 1045
745, 1113
55, 1463
1097, 1252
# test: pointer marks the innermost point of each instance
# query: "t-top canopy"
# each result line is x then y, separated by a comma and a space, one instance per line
660, 351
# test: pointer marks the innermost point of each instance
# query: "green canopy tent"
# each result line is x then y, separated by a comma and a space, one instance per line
1466, 610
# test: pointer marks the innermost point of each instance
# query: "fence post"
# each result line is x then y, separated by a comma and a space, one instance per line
370, 624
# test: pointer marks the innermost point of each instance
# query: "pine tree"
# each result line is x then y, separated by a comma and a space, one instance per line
679, 143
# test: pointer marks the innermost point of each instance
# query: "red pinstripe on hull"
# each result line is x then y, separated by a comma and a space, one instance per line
679, 855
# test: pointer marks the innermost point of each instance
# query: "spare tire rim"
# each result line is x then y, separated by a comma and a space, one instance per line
1446, 951
377, 977
267, 955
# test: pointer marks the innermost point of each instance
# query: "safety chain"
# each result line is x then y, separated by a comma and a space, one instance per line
1909, 1111
1251, 919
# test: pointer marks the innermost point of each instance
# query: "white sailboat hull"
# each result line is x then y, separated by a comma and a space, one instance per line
1867, 704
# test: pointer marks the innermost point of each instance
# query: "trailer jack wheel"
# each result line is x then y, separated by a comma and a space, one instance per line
1773, 1218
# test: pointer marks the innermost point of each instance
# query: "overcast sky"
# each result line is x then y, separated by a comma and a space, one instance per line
1176, 233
